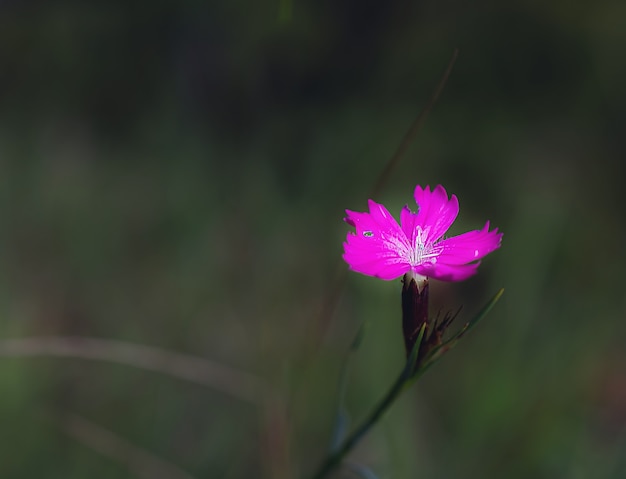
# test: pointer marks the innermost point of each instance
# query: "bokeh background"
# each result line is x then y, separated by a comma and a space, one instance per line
174, 175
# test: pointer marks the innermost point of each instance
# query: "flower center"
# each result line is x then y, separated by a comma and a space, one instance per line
422, 252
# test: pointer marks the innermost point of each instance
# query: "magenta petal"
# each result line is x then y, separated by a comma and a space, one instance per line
382, 248
470, 246
407, 222
436, 212
379, 247
383, 269
446, 272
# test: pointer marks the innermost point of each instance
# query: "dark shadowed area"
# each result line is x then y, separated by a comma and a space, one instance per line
173, 181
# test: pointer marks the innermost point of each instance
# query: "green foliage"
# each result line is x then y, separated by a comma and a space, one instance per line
175, 175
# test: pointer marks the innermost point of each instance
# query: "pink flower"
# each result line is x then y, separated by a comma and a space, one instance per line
382, 248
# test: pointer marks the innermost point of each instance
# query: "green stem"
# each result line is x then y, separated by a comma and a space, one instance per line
410, 370
334, 459
415, 367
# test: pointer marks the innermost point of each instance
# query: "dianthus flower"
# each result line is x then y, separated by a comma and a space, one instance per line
382, 248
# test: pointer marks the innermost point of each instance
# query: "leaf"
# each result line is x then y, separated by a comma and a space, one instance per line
450, 343
409, 369
339, 429
341, 416
356, 342
481, 314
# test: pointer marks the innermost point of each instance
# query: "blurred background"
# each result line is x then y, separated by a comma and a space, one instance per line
174, 176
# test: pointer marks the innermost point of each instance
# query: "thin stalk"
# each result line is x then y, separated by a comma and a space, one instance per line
416, 365
334, 459
413, 129
410, 371
330, 302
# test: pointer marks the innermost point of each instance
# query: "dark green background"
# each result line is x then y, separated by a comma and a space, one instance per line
175, 173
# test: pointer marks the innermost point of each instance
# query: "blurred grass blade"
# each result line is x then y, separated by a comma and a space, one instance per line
236, 383
356, 342
341, 416
332, 298
414, 129
142, 463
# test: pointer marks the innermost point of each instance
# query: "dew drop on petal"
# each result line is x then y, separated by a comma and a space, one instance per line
368, 234
475, 253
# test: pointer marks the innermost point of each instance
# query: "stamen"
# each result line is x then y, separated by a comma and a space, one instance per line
422, 252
